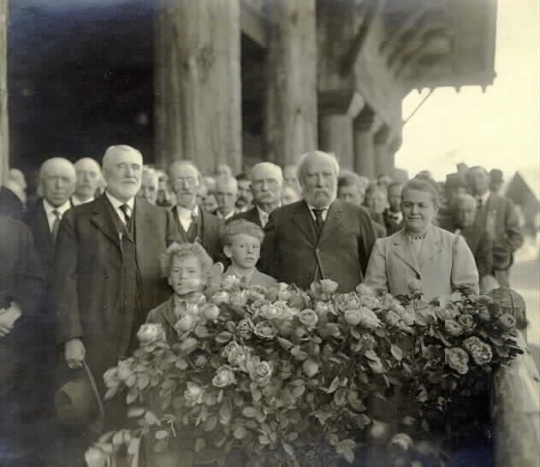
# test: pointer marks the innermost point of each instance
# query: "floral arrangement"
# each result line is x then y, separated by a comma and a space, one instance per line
285, 377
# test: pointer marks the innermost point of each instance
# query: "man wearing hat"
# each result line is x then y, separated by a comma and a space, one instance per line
495, 181
107, 274
497, 215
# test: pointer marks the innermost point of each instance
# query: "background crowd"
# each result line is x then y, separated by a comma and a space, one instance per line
91, 237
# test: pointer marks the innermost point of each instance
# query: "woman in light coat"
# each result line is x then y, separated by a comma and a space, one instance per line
440, 260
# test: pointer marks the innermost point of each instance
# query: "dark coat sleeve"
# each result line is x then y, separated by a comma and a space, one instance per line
484, 255
269, 262
514, 238
68, 316
30, 280
366, 240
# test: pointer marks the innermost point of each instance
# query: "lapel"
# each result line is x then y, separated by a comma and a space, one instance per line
181, 229
168, 312
253, 216
302, 218
431, 246
42, 225
143, 226
103, 220
402, 249
333, 220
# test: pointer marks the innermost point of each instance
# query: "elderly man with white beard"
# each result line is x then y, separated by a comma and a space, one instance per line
319, 237
88, 179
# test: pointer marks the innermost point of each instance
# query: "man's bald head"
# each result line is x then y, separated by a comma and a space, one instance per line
88, 178
18, 177
464, 210
58, 178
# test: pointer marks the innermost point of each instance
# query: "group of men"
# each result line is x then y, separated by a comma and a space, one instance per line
84, 271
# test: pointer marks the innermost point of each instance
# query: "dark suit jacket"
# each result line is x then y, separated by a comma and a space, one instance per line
292, 253
481, 245
252, 216
89, 276
210, 233
499, 219
10, 204
21, 281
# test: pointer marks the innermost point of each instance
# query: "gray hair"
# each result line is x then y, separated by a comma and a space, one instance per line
461, 199
269, 166
304, 159
113, 150
53, 161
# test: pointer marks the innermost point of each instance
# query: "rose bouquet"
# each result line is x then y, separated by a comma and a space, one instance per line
285, 376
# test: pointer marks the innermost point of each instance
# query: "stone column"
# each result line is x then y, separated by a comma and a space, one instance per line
4, 125
198, 83
291, 100
393, 147
381, 140
364, 151
336, 136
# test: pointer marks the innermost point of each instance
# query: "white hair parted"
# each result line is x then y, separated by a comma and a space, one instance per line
270, 166
308, 156
112, 151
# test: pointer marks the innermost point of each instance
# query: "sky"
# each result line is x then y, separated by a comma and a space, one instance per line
496, 129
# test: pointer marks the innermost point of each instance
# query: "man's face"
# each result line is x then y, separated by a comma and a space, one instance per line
479, 181
495, 186
465, 213
185, 183
376, 201
351, 194
209, 203
58, 183
123, 174
149, 188
88, 178
266, 186
245, 198
226, 195
223, 170
319, 182
394, 198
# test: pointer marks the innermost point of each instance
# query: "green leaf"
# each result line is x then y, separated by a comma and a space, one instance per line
143, 381
223, 337
333, 385
132, 396
118, 438
240, 432
299, 354
162, 434
200, 444
201, 331
225, 413
131, 381
181, 364
285, 343
210, 423
298, 391
250, 412
288, 449
151, 419
111, 392
371, 355
265, 441
135, 412
396, 352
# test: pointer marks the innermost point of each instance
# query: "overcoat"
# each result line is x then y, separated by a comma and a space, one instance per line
89, 270
292, 252
445, 263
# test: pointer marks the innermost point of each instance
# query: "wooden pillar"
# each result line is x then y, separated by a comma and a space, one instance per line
291, 100
198, 83
382, 158
4, 126
393, 147
336, 136
364, 151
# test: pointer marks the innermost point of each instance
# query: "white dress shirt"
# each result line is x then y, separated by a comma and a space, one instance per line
227, 217
484, 198
77, 202
186, 216
116, 203
263, 217
49, 210
324, 212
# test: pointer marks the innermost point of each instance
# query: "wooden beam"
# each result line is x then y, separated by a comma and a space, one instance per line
4, 127
291, 100
372, 9
198, 83
254, 21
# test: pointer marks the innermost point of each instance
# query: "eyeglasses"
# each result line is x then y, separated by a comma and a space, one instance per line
186, 181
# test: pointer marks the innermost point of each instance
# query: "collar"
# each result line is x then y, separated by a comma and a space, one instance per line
116, 203
417, 237
232, 270
324, 211
49, 208
77, 201
484, 197
227, 216
186, 213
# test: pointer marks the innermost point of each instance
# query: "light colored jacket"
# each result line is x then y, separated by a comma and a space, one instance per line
444, 263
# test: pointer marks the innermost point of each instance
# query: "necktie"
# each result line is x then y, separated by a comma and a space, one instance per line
56, 224
319, 221
125, 211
